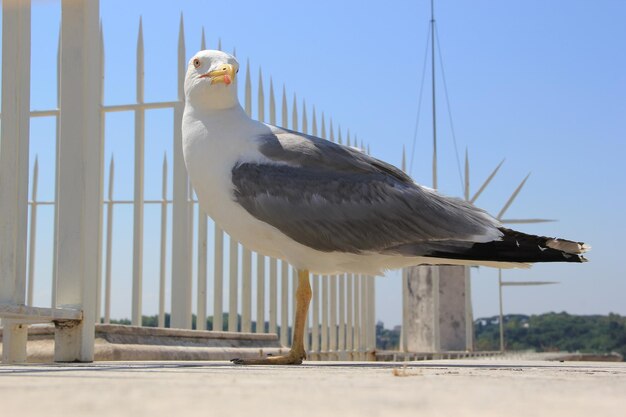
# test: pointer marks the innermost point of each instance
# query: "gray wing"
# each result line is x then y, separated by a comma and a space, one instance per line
334, 198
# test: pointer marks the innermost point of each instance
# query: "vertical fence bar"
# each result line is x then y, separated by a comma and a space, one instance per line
202, 271
14, 168
109, 237
284, 303
341, 345
80, 166
53, 301
163, 243
246, 255
315, 321
349, 309
246, 290
273, 307
101, 197
371, 293
260, 259
139, 186
181, 250
284, 266
357, 316
218, 277
233, 290
32, 235
364, 317
333, 314
324, 330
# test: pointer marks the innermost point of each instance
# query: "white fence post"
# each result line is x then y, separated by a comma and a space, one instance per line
14, 169
181, 248
32, 239
138, 201
246, 254
79, 194
218, 279
163, 242
109, 238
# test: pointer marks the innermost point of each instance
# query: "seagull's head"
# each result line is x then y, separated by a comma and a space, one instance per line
211, 80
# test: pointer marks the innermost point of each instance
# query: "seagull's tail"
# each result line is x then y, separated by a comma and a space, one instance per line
516, 247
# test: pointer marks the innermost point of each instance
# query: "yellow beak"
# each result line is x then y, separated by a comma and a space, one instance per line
224, 74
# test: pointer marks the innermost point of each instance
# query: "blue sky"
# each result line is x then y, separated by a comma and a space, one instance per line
542, 84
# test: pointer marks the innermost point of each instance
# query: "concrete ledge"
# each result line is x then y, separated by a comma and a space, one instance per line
131, 343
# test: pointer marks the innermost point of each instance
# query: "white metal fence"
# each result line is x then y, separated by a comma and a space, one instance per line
341, 322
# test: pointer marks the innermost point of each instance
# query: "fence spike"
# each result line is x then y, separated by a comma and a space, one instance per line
284, 109
219, 44
314, 123
181, 58
202, 40
261, 98
294, 114
487, 181
272, 104
323, 129
305, 122
248, 91
331, 130
512, 198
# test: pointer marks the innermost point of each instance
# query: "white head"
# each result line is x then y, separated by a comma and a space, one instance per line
210, 82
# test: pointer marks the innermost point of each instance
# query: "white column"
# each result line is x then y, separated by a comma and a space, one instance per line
181, 248
218, 279
163, 242
79, 175
138, 187
32, 239
202, 271
14, 168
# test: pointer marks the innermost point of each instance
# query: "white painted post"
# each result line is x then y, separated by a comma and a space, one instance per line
80, 162
202, 271
14, 169
324, 348
163, 243
55, 257
181, 249
138, 200
218, 279
333, 314
273, 307
315, 307
273, 328
246, 290
341, 345
349, 309
233, 291
32, 239
109, 237
284, 303
357, 317
260, 259
371, 293
364, 317
246, 254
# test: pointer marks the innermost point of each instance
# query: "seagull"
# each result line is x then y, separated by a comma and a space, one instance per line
327, 208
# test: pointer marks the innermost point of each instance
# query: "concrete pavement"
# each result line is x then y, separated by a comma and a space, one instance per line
426, 388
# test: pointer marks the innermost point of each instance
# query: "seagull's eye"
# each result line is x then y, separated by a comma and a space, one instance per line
196, 63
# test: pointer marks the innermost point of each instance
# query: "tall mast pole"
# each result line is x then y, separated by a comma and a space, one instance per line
432, 43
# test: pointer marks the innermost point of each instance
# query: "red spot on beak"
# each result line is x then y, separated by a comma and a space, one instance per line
227, 79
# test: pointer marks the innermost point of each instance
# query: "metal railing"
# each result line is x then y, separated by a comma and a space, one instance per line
342, 315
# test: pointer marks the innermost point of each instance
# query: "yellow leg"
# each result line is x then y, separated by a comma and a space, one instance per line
297, 352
